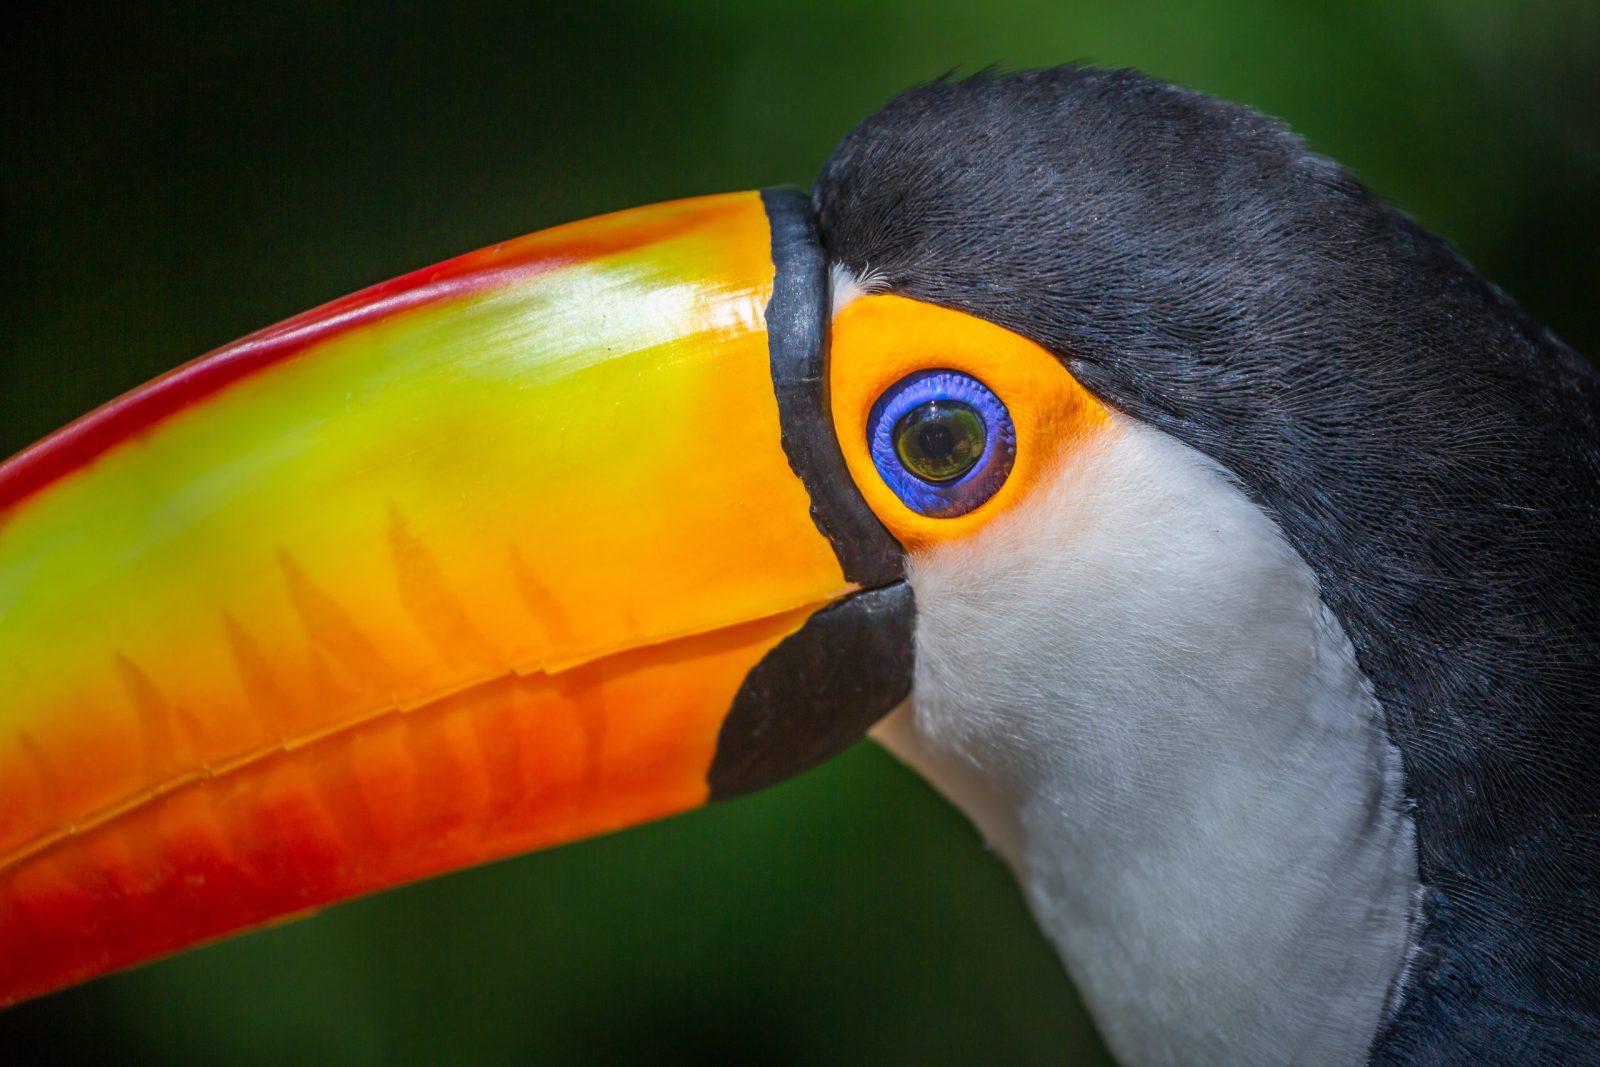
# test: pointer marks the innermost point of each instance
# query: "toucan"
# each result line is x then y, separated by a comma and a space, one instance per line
1209, 532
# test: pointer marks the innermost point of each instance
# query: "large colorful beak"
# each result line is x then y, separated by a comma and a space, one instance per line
541, 542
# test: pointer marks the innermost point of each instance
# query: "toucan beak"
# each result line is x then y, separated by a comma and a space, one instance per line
546, 540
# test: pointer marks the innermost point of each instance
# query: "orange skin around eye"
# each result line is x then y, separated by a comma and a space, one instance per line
878, 340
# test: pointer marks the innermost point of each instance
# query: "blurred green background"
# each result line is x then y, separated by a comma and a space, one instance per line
176, 179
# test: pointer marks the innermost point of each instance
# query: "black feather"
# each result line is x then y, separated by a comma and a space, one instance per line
1431, 451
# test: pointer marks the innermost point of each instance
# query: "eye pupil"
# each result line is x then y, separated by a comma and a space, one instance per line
938, 441
941, 440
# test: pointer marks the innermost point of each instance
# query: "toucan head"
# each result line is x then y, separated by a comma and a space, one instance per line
1082, 410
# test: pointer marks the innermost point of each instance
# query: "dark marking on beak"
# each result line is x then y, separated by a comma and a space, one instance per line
797, 332
818, 692
825, 685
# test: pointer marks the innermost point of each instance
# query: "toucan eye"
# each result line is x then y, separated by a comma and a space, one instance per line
942, 441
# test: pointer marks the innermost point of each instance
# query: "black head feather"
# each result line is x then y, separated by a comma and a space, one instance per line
1431, 451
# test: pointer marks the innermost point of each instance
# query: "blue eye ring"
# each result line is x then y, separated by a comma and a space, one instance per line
914, 397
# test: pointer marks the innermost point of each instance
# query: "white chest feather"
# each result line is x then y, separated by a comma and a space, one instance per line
1134, 689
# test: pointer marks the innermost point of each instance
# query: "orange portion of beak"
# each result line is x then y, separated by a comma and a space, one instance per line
470, 563
513, 764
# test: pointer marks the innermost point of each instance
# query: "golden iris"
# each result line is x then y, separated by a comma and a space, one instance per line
940, 441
